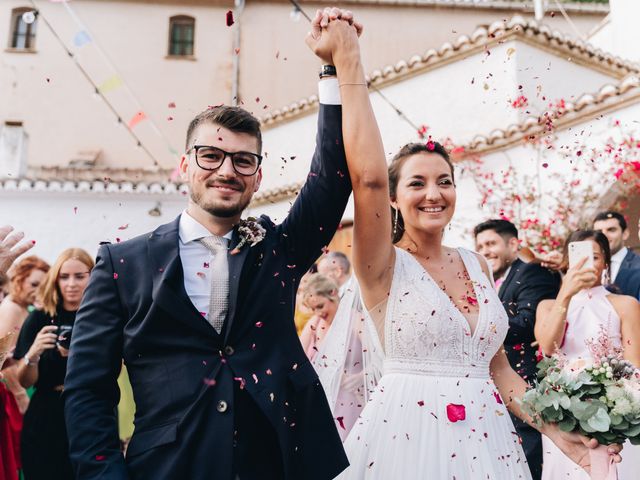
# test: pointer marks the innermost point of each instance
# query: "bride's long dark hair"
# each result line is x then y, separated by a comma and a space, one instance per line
397, 162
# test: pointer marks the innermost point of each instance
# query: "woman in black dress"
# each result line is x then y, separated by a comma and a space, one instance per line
42, 352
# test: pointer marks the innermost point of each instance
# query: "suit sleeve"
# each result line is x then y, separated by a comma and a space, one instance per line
91, 392
316, 213
536, 284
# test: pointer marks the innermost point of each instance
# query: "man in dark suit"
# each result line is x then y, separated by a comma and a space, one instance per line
625, 264
521, 286
201, 311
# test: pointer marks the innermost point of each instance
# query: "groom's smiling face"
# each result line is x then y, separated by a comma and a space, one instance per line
222, 192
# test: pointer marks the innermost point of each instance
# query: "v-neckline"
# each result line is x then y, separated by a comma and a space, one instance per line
449, 300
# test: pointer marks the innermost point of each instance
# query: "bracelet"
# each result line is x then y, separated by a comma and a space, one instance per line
342, 84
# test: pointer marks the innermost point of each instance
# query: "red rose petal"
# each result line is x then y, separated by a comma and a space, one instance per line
456, 412
230, 18
498, 398
341, 422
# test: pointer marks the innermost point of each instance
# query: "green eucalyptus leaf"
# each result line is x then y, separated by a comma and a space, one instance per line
600, 422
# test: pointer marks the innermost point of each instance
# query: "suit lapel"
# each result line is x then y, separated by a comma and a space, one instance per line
168, 278
512, 273
236, 263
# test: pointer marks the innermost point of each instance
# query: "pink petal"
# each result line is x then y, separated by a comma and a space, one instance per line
456, 412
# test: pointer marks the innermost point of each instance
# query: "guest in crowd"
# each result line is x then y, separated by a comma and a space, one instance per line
25, 278
321, 296
302, 312
521, 286
337, 267
583, 310
11, 247
41, 352
625, 264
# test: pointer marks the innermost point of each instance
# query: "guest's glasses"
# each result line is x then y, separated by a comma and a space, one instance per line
211, 158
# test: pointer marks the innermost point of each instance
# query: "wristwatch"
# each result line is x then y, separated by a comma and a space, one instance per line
327, 71
30, 363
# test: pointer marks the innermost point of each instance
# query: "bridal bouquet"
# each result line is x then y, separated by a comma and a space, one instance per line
598, 398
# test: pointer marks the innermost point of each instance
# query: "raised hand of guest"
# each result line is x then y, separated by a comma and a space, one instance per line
11, 247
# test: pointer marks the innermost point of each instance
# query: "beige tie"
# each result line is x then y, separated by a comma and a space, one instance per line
219, 274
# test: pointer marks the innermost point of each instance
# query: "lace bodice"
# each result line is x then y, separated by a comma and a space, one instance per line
425, 333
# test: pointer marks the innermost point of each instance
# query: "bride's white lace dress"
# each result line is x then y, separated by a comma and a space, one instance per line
436, 371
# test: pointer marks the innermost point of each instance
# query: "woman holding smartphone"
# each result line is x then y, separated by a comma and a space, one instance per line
41, 352
582, 310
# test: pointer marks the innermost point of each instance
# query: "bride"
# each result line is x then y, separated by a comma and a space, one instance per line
439, 410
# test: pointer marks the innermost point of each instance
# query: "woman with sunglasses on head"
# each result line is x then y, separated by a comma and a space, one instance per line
24, 279
438, 411
41, 353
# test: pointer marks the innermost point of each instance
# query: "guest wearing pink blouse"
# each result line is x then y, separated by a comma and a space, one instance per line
321, 296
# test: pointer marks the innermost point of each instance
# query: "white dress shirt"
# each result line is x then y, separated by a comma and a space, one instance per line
616, 262
196, 258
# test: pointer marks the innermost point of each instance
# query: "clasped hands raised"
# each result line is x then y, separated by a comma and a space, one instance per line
334, 36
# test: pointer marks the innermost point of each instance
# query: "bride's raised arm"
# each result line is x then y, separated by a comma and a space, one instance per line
373, 252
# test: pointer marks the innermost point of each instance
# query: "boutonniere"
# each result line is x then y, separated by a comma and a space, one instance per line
250, 232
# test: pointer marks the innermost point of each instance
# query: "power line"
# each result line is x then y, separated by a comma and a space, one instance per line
97, 90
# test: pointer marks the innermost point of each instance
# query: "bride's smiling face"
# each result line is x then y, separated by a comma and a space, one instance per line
426, 194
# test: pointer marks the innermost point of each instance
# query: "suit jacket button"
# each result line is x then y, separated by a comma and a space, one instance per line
228, 350
222, 406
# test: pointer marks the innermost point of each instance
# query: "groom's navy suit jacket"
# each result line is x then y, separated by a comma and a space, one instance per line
186, 378
628, 278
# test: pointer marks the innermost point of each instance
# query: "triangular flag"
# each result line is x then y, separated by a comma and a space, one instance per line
137, 118
110, 84
81, 38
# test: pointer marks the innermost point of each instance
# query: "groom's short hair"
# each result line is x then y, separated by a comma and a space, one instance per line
235, 119
504, 228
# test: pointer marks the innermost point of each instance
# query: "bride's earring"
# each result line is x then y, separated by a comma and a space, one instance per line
395, 221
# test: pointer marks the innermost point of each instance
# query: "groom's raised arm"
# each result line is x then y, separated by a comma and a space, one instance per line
91, 391
318, 209
320, 205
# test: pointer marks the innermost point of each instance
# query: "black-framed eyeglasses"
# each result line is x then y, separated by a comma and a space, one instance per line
211, 158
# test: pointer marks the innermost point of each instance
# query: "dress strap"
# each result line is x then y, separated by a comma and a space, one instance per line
474, 268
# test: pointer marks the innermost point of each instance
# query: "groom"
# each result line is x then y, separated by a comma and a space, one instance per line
203, 319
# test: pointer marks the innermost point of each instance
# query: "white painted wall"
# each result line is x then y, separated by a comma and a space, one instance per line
460, 100
57, 220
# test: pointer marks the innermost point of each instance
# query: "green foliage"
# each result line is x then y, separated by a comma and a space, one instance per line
590, 401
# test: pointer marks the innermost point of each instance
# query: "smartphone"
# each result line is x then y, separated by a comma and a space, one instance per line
580, 250
64, 336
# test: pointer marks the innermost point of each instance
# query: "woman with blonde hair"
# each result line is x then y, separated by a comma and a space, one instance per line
41, 351
321, 297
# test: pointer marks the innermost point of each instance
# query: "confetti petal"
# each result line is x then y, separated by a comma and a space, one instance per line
456, 412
